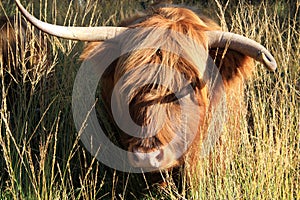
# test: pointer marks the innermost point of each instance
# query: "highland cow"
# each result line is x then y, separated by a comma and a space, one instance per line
19, 43
11, 33
23, 55
170, 73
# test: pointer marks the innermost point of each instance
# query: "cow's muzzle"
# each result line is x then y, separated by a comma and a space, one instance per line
153, 159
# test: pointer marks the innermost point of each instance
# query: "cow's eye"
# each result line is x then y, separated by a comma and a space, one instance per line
159, 53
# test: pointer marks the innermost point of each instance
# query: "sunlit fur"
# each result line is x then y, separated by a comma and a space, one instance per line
234, 67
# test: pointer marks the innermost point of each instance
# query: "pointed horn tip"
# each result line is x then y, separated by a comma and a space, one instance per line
269, 62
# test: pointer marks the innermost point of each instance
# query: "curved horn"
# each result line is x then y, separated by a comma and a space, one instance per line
74, 33
243, 45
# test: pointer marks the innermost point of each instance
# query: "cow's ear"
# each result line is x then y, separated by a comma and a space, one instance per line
234, 66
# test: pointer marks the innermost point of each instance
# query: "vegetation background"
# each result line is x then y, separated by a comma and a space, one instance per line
41, 156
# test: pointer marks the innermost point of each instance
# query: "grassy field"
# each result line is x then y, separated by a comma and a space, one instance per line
41, 156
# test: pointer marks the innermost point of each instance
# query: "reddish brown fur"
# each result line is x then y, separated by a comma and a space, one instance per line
18, 41
234, 68
10, 39
23, 58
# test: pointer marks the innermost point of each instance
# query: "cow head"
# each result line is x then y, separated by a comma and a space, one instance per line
160, 88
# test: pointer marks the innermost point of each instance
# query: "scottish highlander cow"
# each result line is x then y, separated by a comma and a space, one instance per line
168, 78
18, 41
21, 58
23, 55
10, 38
12, 42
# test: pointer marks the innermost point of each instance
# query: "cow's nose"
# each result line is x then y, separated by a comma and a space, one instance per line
149, 159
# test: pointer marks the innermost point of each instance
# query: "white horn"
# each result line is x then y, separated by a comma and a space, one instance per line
74, 33
246, 46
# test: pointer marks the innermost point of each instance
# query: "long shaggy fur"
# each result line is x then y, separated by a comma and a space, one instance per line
165, 70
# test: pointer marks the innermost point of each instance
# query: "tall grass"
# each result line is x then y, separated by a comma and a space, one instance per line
41, 155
